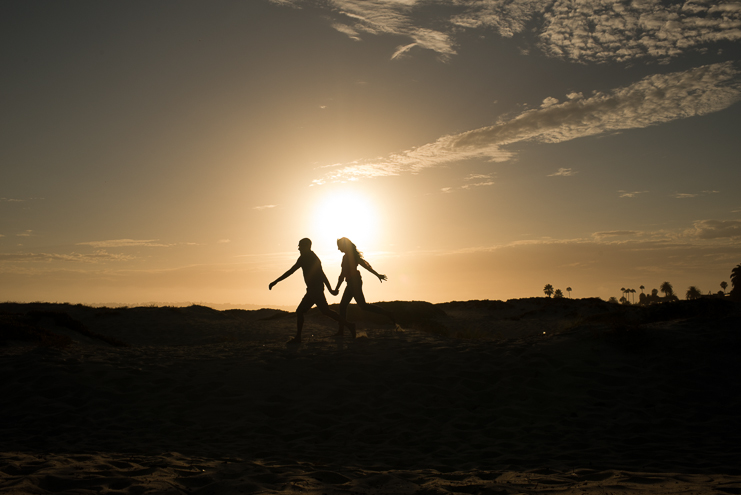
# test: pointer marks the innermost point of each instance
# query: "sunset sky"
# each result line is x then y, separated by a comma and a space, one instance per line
176, 151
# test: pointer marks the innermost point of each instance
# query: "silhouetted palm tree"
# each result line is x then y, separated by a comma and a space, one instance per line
548, 289
641, 287
667, 289
724, 286
568, 289
622, 289
558, 294
736, 282
693, 293
633, 291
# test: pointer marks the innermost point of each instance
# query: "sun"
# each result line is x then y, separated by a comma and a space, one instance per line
346, 214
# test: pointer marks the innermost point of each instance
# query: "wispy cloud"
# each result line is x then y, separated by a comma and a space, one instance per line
26, 233
627, 194
389, 17
97, 257
654, 100
224, 241
564, 172
693, 195
264, 207
584, 31
616, 233
124, 243
716, 229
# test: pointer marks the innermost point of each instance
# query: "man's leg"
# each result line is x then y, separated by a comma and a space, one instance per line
306, 303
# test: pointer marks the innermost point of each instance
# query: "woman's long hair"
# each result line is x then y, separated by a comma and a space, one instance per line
345, 242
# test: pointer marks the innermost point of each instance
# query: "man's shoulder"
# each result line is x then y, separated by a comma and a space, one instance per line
309, 257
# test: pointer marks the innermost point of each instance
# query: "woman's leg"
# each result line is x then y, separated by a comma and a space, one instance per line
344, 303
360, 299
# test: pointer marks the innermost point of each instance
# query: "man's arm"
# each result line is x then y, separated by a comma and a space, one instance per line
326, 283
284, 276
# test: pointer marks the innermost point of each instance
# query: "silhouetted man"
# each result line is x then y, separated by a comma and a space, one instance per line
315, 281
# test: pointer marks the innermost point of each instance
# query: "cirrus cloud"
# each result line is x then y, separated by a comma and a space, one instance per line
717, 229
124, 243
654, 100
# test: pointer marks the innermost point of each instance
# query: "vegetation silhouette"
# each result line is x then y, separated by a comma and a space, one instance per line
315, 280
724, 286
354, 288
693, 293
548, 289
667, 289
736, 283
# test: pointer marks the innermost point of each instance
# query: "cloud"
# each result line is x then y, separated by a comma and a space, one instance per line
224, 241
389, 17
264, 207
685, 195
716, 229
27, 233
653, 100
124, 243
97, 257
602, 31
626, 194
615, 233
345, 29
12, 200
587, 31
565, 172
478, 184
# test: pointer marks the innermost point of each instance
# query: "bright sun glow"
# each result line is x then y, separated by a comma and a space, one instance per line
346, 214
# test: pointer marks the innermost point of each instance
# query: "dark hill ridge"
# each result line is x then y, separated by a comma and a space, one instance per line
56, 324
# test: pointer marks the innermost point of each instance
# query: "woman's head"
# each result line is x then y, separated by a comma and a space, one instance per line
346, 246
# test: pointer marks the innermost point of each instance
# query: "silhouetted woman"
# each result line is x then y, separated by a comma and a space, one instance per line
354, 289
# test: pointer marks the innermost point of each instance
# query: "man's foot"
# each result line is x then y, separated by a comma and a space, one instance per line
339, 333
295, 340
351, 326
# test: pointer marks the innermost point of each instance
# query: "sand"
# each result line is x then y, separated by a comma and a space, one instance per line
528, 396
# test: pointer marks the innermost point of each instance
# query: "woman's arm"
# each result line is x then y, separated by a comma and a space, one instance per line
368, 267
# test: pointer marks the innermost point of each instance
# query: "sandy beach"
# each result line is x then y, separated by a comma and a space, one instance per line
480, 397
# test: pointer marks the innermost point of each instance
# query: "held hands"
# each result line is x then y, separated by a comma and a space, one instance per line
382, 278
272, 284
334, 292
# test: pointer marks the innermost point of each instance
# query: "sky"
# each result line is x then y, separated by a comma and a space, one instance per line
176, 151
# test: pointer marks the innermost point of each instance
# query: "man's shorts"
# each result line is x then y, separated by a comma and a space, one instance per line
312, 297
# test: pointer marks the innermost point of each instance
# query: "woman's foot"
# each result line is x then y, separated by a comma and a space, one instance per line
340, 333
351, 326
295, 340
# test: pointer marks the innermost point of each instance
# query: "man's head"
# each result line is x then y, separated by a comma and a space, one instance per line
304, 244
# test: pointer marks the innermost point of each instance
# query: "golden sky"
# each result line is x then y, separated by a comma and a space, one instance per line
177, 151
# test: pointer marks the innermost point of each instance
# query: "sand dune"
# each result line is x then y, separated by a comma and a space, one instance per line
521, 396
